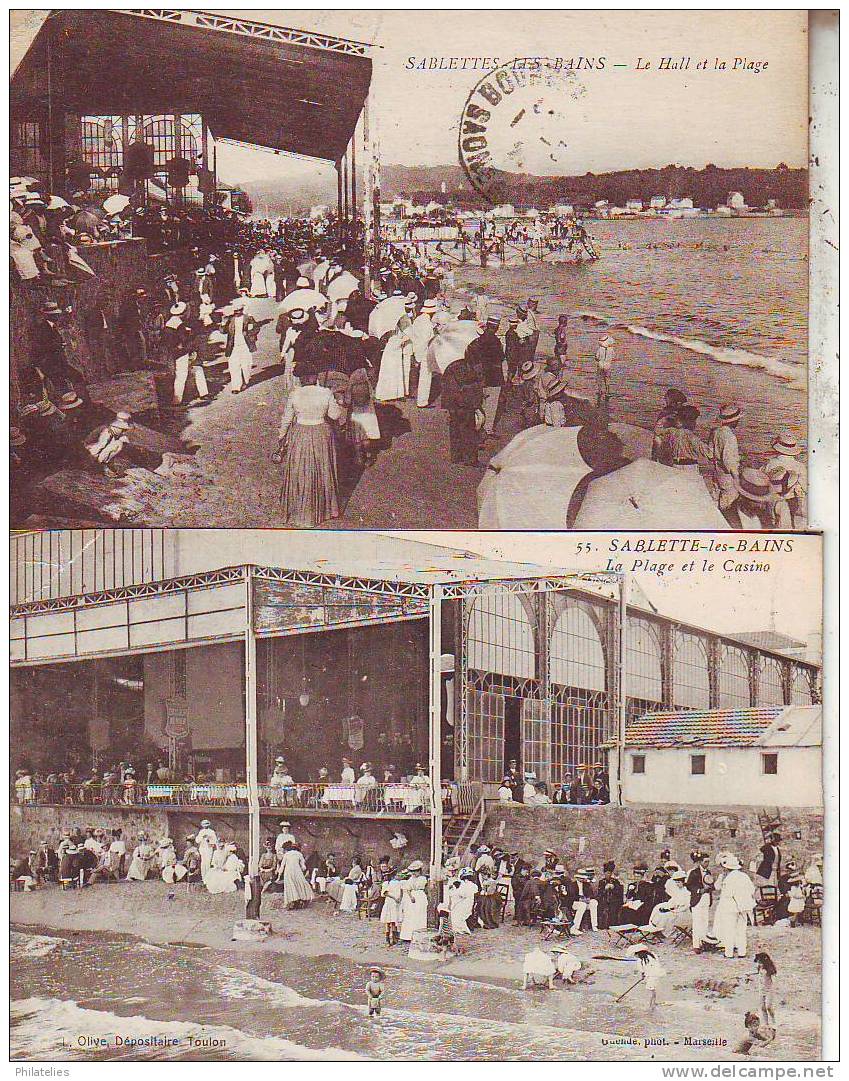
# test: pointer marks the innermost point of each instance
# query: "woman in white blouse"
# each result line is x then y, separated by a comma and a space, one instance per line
307, 451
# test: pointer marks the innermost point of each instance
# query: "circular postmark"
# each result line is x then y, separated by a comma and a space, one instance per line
516, 120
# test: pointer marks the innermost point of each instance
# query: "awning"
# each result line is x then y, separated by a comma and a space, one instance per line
264, 85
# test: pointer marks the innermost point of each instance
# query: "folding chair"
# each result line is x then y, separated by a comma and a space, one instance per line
679, 936
502, 889
625, 934
555, 929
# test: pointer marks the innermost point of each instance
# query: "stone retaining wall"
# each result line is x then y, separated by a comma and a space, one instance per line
587, 836
344, 837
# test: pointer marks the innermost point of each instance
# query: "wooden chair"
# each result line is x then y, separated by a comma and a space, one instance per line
679, 936
764, 910
502, 890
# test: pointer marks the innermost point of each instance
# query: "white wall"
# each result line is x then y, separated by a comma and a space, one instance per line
732, 776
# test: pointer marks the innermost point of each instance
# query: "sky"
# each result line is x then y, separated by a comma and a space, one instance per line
624, 118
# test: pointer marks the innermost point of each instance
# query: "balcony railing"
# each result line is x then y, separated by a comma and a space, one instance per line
400, 798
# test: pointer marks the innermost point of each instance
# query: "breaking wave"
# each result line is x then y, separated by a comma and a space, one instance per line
781, 369
49, 1028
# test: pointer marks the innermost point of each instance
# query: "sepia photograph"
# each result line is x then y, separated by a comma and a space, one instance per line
326, 795
353, 269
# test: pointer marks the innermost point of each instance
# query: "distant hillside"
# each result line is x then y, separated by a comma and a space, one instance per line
707, 187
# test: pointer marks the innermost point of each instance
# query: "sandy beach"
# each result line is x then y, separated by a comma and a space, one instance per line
712, 1010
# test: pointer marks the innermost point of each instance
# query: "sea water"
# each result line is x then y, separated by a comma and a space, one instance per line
715, 306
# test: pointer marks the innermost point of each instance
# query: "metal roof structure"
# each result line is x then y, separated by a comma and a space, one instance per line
270, 86
772, 726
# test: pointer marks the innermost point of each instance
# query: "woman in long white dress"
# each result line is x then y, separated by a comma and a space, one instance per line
393, 380
413, 902
296, 889
348, 901
206, 840
262, 275
734, 908
142, 860
226, 869
166, 857
461, 902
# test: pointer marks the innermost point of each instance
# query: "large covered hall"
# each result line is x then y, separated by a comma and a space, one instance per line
171, 650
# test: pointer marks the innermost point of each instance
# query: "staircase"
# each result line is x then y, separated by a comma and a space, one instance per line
461, 831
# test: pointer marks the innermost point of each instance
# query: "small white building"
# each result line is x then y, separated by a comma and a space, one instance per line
685, 203
657, 202
736, 200
757, 757
634, 206
563, 210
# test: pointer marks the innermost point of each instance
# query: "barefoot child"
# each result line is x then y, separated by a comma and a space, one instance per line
766, 970
374, 991
652, 970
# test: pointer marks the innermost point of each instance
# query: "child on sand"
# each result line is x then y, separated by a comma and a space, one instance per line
766, 970
652, 970
756, 1032
374, 991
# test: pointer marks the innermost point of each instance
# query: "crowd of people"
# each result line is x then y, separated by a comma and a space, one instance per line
589, 784
352, 347
371, 787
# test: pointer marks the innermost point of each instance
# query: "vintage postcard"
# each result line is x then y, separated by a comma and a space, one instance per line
289, 795
368, 269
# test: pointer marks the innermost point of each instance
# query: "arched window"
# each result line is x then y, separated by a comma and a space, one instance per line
734, 689
770, 683
800, 689
500, 637
576, 652
643, 663
690, 678
103, 150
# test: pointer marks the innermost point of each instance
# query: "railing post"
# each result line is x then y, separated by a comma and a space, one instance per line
435, 731
251, 740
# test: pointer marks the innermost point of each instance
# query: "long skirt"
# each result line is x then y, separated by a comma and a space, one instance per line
309, 489
413, 914
295, 886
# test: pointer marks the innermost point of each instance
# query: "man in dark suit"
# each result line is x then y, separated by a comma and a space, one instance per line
462, 397
699, 882
611, 894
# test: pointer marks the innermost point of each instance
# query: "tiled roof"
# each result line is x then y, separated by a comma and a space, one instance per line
702, 727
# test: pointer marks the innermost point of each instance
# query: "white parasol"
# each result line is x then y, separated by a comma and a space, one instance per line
648, 495
342, 286
530, 483
308, 299
116, 203
385, 315
451, 342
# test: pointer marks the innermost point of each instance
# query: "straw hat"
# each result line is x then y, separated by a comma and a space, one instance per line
529, 370
786, 443
754, 485
416, 865
728, 413
430, 306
